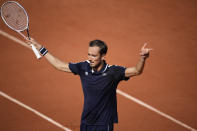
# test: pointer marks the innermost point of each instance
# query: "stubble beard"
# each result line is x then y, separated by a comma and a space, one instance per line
95, 67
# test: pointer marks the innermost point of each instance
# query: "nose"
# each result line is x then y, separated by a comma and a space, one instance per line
90, 58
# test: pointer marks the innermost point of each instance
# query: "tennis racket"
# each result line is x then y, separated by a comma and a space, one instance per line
16, 18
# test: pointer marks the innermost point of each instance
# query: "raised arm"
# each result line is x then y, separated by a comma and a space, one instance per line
54, 61
57, 63
138, 69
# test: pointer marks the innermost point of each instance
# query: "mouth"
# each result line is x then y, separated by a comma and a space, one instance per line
91, 63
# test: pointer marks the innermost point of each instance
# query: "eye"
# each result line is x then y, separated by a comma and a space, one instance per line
92, 55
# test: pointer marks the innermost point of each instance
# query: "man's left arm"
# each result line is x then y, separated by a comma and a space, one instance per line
138, 69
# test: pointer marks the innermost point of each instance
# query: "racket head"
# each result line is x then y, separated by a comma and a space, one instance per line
14, 16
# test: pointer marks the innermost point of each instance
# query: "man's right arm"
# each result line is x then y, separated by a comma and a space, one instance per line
54, 61
58, 64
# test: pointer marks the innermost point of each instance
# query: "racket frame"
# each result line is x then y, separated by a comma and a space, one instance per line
19, 31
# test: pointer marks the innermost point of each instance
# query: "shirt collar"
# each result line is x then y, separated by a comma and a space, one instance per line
103, 69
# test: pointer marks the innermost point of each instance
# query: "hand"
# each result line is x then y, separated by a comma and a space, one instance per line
145, 51
36, 44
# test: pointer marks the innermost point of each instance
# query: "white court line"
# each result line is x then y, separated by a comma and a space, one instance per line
154, 109
18, 102
3, 33
35, 112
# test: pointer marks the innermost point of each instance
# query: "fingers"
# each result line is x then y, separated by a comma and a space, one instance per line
30, 39
144, 46
28, 42
144, 50
149, 49
31, 42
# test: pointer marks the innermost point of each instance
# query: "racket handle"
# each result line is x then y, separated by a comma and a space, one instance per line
38, 56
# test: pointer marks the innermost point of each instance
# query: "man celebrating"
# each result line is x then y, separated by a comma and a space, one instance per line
99, 82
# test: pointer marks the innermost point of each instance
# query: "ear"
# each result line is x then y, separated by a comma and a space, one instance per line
103, 56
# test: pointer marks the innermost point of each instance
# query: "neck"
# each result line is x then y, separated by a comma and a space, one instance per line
99, 66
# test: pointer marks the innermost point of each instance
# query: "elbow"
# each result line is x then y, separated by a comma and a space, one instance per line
62, 68
58, 67
138, 72
133, 72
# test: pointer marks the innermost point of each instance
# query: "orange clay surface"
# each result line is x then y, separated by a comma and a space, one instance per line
65, 28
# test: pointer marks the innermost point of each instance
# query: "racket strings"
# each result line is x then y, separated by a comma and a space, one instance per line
14, 16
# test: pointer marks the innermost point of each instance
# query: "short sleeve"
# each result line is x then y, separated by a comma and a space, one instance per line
119, 73
75, 67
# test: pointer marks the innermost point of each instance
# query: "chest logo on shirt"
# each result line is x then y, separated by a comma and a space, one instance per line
104, 74
86, 73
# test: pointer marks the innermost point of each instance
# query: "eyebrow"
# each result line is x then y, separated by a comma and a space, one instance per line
91, 54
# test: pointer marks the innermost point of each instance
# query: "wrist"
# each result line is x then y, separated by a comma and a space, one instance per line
43, 51
144, 56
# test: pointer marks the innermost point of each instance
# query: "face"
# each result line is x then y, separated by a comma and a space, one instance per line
94, 56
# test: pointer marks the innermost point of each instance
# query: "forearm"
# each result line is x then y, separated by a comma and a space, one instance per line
138, 69
58, 64
140, 65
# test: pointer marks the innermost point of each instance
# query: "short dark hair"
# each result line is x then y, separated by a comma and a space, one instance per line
103, 47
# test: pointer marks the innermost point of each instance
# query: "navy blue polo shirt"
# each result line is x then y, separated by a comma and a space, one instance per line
99, 88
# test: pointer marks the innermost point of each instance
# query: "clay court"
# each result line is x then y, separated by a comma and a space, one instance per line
65, 28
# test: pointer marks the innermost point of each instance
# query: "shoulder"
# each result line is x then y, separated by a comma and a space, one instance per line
118, 72
79, 67
116, 67
83, 63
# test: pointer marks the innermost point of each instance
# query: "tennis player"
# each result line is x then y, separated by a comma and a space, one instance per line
99, 83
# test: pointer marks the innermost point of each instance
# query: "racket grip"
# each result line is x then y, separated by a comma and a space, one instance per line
38, 56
